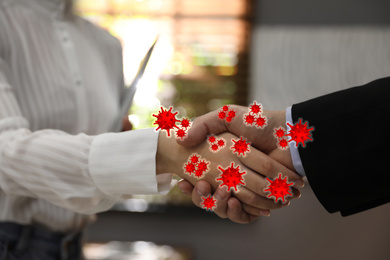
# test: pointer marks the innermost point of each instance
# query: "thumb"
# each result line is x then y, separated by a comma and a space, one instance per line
202, 127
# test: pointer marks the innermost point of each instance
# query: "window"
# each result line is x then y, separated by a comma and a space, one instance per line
200, 62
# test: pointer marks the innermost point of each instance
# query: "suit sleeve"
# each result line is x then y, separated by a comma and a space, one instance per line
347, 164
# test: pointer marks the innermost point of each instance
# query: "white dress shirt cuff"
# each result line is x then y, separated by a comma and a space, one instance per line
125, 163
296, 159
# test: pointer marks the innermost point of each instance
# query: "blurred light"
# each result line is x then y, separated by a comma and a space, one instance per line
175, 68
141, 246
182, 112
146, 99
137, 205
155, 4
214, 104
134, 119
226, 71
229, 87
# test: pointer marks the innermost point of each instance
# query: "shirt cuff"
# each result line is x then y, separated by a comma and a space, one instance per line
296, 159
125, 164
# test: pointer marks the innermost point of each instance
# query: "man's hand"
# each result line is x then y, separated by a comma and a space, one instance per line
262, 139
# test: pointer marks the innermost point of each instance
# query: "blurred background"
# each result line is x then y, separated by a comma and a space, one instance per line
216, 52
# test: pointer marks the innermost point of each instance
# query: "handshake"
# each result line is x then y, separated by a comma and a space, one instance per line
244, 199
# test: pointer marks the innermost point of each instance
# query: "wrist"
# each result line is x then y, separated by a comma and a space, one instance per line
169, 154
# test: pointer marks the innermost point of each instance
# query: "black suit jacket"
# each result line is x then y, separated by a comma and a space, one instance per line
348, 162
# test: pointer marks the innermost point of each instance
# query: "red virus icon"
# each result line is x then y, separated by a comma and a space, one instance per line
280, 132
181, 133
300, 133
216, 144
194, 158
185, 123
261, 121
221, 143
196, 165
280, 135
255, 108
227, 114
249, 119
208, 203
231, 177
214, 147
254, 116
212, 139
190, 167
222, 115
279, 188
232, 113
166, 120
282, 144
240, 146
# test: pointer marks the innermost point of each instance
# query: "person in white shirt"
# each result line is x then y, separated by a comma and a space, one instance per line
61, 83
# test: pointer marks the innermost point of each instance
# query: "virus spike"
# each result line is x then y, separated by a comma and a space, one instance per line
279, 188
280, 132
283, 144
240, 146
231, 177
185, 123
181, 133
300, 133
261, 121
166, 120
255, 108
212, 139
221, 142
208, 203
222, 115
249, 119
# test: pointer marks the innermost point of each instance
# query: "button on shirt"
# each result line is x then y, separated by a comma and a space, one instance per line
61, 82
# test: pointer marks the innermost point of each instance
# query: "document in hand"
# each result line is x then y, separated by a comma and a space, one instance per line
127, 98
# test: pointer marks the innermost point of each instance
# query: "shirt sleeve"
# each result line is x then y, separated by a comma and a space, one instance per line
296, 158
85, 174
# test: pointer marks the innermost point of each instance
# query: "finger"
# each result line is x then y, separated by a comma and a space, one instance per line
257, 184
252, 199
203, 189
201, 127
236, 213
222, 196
265, 165
255, 211
296, 193
185, 187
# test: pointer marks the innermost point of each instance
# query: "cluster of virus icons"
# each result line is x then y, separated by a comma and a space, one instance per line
300, 133
232, 176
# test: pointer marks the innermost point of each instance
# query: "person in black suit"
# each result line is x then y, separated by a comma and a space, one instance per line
347, 162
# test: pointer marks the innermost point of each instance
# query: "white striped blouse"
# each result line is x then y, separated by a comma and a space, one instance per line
61, 82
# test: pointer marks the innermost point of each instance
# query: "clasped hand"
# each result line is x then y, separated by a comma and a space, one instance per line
265, 159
